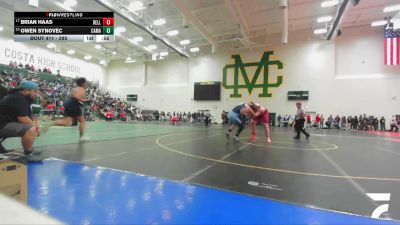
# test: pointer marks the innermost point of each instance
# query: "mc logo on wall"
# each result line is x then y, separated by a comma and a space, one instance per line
257, 81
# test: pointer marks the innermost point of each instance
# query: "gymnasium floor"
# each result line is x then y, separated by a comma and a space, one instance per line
144, 173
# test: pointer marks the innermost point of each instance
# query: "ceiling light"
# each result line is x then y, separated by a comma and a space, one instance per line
97, 47
1, 28
152, 47
163, 54
71, 52
172, 32
129, 60
329, 3
102, 62
87, 57
195, 49
184, 42
119, 30
154, 56
379, 23
320, 31
324, 19
159, 22
114, 52
136, 39
51, 45
391, 8
136, 5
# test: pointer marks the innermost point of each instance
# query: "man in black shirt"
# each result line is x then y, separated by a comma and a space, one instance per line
299, 124
383, 124
375, 123
16, 118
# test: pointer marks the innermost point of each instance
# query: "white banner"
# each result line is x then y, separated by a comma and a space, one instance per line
41, 58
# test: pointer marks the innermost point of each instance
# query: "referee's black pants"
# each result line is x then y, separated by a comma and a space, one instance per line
299, 126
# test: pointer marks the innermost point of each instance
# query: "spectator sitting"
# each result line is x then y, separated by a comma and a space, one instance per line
174, 119
61, 109
50, 107
394, 127
122, 116
109, 115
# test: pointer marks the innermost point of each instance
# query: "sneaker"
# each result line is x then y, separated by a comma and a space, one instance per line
34, 158
84, 139
296, 138
269, 140
308, 136
236, 139
36, 152
253, 138
227, 135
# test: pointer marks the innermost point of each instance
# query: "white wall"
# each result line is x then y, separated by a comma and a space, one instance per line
40, 58
125, 76
333, 72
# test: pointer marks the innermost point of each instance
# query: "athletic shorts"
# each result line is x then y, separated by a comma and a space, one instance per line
14, 129
72, 109
234, 118
264, 118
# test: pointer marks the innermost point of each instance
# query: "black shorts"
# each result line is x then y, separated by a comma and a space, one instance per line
72, 108
14, 129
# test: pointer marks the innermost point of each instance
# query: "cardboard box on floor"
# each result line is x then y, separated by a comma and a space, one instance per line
13, 176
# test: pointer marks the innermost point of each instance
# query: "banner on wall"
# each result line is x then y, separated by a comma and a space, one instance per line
40, 58
239, 72
39, 61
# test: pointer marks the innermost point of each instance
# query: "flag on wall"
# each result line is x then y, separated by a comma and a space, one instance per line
392, 45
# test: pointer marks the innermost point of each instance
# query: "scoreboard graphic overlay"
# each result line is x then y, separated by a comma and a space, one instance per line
64, 26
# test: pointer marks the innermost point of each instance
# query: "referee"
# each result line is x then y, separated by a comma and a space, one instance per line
299, 124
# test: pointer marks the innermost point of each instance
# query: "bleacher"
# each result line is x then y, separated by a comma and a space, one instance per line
50, 80
41, 75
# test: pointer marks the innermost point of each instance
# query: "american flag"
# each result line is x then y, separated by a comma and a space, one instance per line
392, 45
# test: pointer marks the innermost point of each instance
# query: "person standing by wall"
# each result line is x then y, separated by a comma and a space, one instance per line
355, 123
343, 124
318, 120
322, 121
308, 120
279, 120
299, 123
383, 124
375, 123
349, 123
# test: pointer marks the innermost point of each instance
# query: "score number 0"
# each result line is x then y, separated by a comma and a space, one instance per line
108, 21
